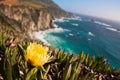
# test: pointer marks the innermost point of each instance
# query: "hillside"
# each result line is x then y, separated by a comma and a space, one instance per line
9, 2
46, 62
30, 15
39, 4
22, 58
49, 5
45, 3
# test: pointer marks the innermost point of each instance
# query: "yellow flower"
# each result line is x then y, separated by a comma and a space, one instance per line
36, 54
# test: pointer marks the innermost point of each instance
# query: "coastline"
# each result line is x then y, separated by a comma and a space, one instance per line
39, 35
48, 37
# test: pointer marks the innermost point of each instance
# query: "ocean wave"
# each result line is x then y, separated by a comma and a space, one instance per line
91, 34
40, 36
65, 19
61, 20
55, 25
109, 27
101, 23
59, 29
112, 29
74, 24
75, 18
55, 30
70, 34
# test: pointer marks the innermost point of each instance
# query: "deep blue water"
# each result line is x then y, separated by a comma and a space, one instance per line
81, 34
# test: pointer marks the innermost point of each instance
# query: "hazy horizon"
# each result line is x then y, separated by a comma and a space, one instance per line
108, 9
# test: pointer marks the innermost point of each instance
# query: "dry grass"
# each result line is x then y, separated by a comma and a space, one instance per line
9, 2
35, 5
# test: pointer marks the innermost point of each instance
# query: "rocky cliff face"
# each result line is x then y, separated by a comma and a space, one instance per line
30, 15
29, 19
7, 2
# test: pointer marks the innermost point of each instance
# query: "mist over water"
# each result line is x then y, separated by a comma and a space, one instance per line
75, 35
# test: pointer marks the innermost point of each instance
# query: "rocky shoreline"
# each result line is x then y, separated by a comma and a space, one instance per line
27, 16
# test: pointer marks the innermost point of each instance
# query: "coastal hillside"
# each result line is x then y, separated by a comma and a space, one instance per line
22, 58
9, 2
52, 8
30, 15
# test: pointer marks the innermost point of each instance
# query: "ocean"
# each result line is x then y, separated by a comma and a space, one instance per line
83, 34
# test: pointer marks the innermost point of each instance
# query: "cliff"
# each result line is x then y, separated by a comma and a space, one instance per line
27, 18
7, 2
30, 15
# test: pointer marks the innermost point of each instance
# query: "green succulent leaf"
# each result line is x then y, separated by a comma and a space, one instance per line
67, 72
46, 72
31, 75
7, 69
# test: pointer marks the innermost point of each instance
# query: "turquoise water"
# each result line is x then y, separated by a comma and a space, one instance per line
81, 34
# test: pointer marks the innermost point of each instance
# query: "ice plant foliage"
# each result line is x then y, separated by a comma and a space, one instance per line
36, 54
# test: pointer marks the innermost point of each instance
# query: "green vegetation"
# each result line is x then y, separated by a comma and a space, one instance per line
35, 5
9, 24
39, 3
63, 66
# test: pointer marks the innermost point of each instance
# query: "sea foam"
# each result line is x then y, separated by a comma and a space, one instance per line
75, 18
101, 23
40, 36
91, 34
112, 29
74, 24
109, 27
65, 19
70, 34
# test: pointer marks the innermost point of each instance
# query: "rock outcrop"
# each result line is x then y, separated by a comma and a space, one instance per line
9, 2
30, 15
29, 19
